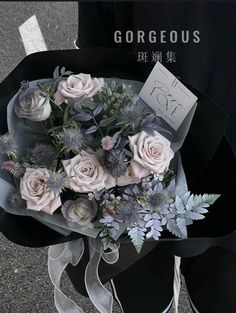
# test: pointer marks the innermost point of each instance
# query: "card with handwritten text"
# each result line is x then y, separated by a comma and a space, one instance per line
167, 96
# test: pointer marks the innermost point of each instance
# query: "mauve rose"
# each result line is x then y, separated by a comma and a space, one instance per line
34, 190
78, 86
32, 105
86, 174
151, 153
78, 213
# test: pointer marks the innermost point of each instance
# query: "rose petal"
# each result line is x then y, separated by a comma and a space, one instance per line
52, 206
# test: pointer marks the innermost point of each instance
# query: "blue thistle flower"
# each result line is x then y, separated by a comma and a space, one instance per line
44, 156
160, 198
56, 182
129, 212
7, 145
116, 162
72, 139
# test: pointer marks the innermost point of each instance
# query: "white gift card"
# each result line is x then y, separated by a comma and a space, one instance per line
167, 96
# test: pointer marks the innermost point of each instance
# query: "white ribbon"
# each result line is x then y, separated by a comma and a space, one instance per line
177, 283
112, 256
181, 188
101, 298
59, 256
116, 296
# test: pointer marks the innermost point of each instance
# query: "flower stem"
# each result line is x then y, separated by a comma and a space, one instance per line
99, 129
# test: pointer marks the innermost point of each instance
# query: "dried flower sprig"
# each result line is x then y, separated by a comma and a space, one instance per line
15, 168
8, 146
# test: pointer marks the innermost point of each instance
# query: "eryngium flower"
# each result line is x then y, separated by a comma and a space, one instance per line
160, 198
129, 212
72, 139
116, 162
56, 182
44, 156
7, 145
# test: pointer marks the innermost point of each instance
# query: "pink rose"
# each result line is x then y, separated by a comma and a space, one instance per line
78, 86
86, 174
151, 153
33, 189
79, 213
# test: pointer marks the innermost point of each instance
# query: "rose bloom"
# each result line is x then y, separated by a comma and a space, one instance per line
86, 174
34, 190
152, 153
78, 86
32, 105
79, 213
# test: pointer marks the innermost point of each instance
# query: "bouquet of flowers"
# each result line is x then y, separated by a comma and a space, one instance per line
89, 155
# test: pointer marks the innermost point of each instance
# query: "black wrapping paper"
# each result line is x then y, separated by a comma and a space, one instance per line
207, 157
200, 35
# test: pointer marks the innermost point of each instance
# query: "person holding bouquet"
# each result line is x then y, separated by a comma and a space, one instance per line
202, 56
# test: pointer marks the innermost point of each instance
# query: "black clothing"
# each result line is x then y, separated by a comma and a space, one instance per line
208, 64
